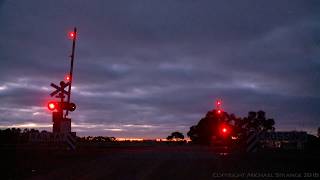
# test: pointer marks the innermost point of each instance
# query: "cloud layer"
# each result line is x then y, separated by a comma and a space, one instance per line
147, 68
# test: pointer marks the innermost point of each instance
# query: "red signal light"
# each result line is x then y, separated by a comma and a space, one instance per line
72, 35
52, 106
224, 130
218, 107
68, 78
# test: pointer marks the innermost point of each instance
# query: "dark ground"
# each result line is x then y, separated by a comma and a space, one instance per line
153, 162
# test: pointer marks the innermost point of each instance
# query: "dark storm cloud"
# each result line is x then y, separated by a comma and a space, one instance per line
145, 68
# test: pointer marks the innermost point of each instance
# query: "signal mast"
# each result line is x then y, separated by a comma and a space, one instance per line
224, 128
60, 109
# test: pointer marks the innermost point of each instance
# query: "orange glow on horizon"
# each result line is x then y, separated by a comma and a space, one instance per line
129, 139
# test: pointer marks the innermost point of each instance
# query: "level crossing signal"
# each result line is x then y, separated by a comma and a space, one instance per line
58, 106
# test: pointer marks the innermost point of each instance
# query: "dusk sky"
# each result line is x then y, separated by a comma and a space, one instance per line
146, 68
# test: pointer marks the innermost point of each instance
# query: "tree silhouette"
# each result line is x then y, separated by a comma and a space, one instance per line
14, 136
176, 135
258, 121
208, 128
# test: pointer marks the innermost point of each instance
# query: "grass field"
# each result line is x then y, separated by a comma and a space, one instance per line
153, 162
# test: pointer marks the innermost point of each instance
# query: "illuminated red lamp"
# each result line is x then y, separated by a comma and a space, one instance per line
218, 103
219, 111
224, 130
72, 35
68, 78
52, 106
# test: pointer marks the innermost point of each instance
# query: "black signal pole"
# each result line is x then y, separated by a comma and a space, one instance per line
74, 37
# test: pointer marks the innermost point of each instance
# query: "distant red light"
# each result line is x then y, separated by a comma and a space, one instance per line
68, 78
218, 107
72, 35
224, 130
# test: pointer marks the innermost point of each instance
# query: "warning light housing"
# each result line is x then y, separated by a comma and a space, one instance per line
68, 106
61, 106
